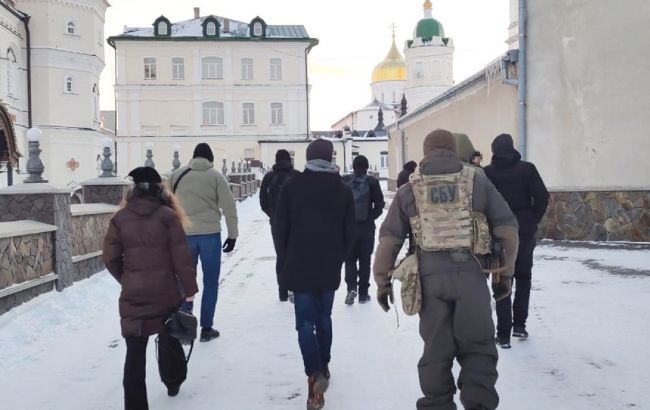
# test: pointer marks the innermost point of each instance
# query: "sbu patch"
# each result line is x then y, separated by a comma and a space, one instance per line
444, 194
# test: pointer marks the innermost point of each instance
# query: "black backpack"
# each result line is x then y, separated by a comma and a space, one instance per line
360, 186
278, 181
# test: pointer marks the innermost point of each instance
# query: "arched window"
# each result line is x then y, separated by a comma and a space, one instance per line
162, 27
257, 28
213, 113
68, 86
211, 29
71, 28
212, 68
9, 71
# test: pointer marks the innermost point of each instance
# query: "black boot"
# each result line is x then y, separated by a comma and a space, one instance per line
208, 333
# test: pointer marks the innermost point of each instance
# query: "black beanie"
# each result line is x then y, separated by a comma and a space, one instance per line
411, 165
360, 163
203, 150
282, 155
503, 144
145, 175
320, 149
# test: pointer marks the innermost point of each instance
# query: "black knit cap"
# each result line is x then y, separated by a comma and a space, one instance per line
282, 155
360, 163
320, 149
503, 144
145, 174
411, 165
203, 150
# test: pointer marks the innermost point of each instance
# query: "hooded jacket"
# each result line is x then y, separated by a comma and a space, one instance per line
270, 189
519, 183
396, 226
405, 173
145, 249
205, 193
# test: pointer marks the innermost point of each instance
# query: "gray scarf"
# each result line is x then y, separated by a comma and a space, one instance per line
320, 165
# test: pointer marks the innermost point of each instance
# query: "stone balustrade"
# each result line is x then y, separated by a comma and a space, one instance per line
89, 226
26, 261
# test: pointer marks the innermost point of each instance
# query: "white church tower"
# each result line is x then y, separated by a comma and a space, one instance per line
429, 61
67, 58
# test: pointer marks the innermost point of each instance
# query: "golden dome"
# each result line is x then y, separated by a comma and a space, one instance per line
393, 68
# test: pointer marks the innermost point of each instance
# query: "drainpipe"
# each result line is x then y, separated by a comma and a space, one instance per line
312, 44
522, 91
28, 41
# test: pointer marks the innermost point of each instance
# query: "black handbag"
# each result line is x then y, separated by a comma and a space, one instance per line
182, 326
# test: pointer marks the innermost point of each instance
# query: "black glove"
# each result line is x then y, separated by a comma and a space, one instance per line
229, 245
385, 294
186, 307
501, 287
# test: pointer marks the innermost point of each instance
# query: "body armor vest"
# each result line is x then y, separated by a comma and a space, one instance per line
444, 210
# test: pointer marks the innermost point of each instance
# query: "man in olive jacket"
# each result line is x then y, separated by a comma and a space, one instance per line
205, 194
456, 317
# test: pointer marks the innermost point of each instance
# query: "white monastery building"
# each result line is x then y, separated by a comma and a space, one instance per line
51, 57
209, 79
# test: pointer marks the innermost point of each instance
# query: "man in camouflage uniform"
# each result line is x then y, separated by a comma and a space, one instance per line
455, 317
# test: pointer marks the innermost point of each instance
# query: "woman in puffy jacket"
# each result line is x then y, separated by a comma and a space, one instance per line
146, 251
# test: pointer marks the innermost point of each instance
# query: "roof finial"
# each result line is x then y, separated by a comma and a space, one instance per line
393, 26
428, 5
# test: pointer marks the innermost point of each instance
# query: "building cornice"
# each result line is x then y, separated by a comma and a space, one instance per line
97, 6
13, 29
311, 41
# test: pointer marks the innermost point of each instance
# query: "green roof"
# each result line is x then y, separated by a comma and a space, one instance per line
429, 28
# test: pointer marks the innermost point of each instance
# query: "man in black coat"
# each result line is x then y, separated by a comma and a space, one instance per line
524, 191
405, 173
272, 184
369, 204
314, 228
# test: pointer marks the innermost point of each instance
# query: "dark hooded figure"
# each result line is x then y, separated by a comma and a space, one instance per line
405, 173
272, 184
369, 204
524, 191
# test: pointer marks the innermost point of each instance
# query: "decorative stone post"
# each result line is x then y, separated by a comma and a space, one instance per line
239, 167
107, 164
34, 164
224, 168
176, 163
233, 169
149, 162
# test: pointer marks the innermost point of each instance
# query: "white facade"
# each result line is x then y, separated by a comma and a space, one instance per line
366, 118
67, 57
228, 90
388, 92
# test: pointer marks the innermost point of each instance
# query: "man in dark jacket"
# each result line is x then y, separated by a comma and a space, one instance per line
272, 184
314, 227
405, 173
524, 191
369, 204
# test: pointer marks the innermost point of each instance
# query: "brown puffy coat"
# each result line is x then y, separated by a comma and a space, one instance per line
146, 251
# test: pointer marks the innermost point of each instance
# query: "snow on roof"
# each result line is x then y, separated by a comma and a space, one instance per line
194, 28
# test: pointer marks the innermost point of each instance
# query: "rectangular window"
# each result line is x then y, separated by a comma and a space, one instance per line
213, 68
246, 68
419, 72
150, 68
383, 159
276, 69
248, 114
178, 68
277, 114
213, 113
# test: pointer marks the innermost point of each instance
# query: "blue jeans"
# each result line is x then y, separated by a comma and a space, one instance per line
208, 248
314, 326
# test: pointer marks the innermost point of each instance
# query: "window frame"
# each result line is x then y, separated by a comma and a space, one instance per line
217, 64
383, 159
216, 109
419, 70
248, 114
178, 68
147, 66
277, 108
71, 24
68, 85
275, 69
247, 70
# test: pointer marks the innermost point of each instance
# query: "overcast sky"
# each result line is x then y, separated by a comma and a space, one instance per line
354, 37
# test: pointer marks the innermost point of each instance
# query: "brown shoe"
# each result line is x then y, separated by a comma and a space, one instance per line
317, 385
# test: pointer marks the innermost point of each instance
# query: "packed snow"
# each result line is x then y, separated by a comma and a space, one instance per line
587, 348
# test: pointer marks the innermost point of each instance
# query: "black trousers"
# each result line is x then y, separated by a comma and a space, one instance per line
357, 265
511, 314
171, 366
283, 293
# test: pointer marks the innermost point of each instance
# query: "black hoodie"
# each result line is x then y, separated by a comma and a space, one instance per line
272, 183
519, 183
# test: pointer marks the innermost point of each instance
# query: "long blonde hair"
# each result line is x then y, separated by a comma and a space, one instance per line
164, 195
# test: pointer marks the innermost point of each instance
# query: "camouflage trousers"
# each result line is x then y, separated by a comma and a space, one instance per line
456, 323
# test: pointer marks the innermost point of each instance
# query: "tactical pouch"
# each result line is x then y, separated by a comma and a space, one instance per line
408, 273
481, 237
494, 262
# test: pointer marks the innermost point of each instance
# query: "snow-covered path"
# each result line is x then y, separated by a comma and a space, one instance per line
587, 349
